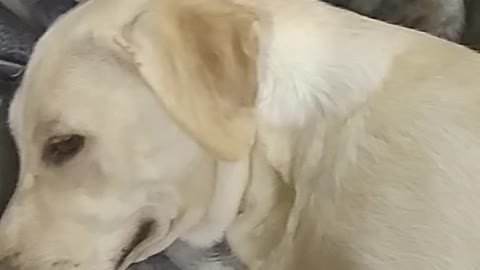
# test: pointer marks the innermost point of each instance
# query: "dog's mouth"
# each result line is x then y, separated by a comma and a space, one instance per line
144, 231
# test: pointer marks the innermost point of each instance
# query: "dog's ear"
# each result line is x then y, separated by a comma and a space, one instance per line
199, 57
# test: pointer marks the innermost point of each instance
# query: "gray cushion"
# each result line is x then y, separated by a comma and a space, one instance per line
8, 155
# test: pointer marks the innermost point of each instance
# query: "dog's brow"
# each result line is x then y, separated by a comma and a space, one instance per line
45, 127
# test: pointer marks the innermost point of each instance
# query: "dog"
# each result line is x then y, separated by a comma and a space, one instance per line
309, 136
439, 17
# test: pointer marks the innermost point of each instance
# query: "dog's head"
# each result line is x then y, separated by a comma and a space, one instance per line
124, 113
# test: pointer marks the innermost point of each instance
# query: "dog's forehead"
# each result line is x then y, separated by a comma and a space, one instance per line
73, 93
76, 72
72, 54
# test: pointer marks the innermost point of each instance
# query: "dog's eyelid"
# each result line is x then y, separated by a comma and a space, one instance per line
61, 148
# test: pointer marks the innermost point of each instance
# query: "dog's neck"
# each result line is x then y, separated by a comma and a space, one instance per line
314, 73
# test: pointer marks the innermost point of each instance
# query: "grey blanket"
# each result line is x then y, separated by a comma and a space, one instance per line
8, 157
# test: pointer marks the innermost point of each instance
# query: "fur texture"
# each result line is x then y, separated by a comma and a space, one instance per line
311, 137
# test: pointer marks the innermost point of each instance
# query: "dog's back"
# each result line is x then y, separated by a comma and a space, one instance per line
390, 180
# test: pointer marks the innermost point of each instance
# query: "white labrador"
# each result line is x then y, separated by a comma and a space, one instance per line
313, 138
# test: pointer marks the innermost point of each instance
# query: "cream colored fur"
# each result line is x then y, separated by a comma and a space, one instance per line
313, 138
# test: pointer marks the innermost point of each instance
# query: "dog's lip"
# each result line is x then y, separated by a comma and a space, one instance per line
144, 231
143, 253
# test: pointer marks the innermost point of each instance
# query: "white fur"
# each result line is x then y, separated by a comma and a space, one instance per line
232, 180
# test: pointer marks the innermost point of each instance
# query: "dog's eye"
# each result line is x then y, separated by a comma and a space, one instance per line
60, 149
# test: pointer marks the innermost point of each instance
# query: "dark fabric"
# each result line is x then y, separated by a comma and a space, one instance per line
471, 33
443, 18
47, 11
16, 41
8, 156
157, 262
16, 38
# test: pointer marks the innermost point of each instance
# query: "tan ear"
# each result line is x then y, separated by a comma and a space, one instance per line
199, 57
